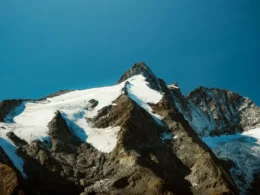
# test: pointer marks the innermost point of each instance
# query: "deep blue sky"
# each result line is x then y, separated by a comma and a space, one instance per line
50, 45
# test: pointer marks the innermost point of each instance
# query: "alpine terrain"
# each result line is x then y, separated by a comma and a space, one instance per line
139, 136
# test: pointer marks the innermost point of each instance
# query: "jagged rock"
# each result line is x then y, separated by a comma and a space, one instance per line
143, 69
255, 186
214, 112
59, 130
92, 104
206, 175
7, 106
44, 171
8, 180
17, 141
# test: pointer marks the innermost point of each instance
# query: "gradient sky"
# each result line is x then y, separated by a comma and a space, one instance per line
50, 45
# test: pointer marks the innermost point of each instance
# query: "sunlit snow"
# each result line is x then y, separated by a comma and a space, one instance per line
30, 120
142, 95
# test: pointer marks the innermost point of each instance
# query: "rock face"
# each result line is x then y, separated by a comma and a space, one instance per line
143, 69
7, 106
59, 130
17, 141
9, 178
207, 174
213, 112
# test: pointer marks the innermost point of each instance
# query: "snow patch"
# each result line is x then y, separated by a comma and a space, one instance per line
11, 150
139, 92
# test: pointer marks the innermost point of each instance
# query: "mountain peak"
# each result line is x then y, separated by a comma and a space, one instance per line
136, 69
141, 66
141, 69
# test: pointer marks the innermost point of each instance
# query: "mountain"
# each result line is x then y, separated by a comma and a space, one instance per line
139, 136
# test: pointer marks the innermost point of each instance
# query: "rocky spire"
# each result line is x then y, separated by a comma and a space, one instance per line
141, 69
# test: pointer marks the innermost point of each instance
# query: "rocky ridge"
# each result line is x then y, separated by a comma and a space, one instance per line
213, 112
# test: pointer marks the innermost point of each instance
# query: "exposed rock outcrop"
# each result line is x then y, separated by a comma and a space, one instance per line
92, 104
17, 141
59, 131
207, 176
7, 106
141, 69
10, 180
214, 111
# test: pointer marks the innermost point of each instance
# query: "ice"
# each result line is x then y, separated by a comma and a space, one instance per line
244, 150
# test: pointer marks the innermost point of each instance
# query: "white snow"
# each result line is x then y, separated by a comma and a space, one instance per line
244, 150
10, 150
173, 86
30, 120
139, 92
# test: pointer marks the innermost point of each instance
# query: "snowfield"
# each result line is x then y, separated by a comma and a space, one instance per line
244, 150
30, 120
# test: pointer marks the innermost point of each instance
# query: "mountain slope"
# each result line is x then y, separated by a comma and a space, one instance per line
229, 124
137, 137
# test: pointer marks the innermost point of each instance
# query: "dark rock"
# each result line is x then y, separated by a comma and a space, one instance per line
227, 163
11, 181
255, 186
206, 173
40, 164
121, 183
17, 141
7, 107
4, 159
143, 69
58, 129
220, 111
92, 104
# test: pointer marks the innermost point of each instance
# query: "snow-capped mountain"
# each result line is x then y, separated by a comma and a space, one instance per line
139, 136
216, 112
229, 124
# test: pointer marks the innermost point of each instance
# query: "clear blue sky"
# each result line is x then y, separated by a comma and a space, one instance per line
50, 45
